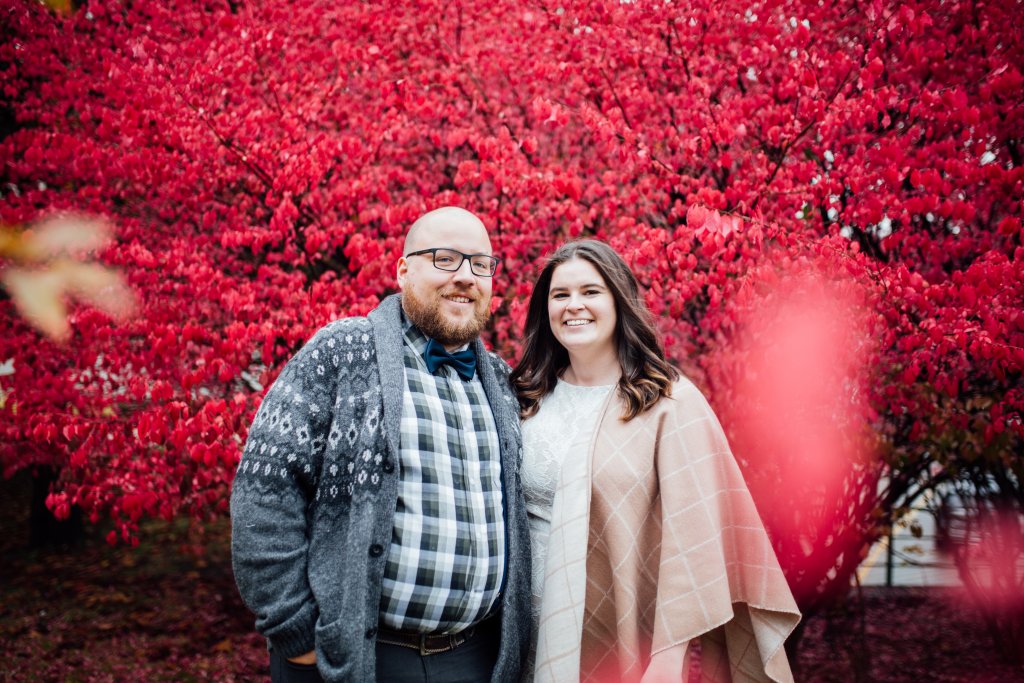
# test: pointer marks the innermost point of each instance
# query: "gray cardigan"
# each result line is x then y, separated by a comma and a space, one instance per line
314, 498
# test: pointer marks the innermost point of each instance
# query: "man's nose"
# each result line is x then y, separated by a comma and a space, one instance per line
464, 273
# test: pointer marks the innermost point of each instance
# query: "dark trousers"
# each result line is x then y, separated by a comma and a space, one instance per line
471, 662
283, 671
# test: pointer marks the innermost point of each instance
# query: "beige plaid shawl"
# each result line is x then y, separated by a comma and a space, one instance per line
655, 541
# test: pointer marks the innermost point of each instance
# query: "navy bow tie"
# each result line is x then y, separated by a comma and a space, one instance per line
463, 362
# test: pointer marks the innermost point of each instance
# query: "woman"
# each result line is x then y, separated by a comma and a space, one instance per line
644, 535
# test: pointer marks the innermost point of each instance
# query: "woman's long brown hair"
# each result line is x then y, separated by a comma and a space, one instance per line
646, 375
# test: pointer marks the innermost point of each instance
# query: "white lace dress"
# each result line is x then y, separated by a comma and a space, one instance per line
562, 428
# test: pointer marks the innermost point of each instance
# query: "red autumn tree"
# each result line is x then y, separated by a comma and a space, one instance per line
261, 163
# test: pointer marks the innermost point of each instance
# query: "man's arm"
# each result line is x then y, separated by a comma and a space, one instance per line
270, 497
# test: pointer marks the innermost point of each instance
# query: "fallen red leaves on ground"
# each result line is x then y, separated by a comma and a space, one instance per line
158, 613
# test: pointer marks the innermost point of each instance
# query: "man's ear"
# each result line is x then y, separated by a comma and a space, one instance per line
400, 271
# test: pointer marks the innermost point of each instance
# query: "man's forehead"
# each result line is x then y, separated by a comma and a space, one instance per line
446, 224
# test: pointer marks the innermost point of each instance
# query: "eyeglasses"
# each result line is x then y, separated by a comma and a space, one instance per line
450, 260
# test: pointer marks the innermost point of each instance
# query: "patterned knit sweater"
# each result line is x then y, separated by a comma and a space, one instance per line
314, 498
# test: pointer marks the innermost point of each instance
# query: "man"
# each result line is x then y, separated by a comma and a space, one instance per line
378, 525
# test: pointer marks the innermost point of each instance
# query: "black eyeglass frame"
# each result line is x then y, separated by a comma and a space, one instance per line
433, 259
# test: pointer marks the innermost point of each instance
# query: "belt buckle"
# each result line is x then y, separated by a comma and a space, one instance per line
426, 651
454, 641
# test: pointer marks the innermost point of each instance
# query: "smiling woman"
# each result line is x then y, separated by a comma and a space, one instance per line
581, 313
643, 534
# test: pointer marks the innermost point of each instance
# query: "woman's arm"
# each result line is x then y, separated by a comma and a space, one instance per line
667, 666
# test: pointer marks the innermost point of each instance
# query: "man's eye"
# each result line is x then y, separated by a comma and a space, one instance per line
444, 260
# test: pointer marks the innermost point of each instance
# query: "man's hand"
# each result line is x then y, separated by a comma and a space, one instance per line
308, 658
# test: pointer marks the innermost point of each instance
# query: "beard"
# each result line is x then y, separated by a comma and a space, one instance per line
426, 315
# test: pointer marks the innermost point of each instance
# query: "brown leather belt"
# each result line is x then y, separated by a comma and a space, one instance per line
427, 644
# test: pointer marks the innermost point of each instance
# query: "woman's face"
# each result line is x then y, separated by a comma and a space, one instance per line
581, 309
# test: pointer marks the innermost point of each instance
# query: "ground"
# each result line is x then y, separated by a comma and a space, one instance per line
160, 613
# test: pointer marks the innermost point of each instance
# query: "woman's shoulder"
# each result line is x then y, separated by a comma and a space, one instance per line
686, 399
684, 386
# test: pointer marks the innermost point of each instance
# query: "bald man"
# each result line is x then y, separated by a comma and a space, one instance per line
378, 524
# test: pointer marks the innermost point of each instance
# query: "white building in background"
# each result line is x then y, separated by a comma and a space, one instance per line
914, 559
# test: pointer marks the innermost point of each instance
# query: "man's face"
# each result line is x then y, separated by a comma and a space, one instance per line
449, 306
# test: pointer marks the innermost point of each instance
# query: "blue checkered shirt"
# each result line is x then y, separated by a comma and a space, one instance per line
445, 565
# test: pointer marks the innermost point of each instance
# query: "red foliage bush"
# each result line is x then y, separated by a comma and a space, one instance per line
262, 160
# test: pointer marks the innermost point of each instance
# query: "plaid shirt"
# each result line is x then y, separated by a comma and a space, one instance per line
445, 566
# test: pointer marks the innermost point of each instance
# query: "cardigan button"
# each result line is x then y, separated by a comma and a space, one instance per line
371, 632
376, 550
388, 467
